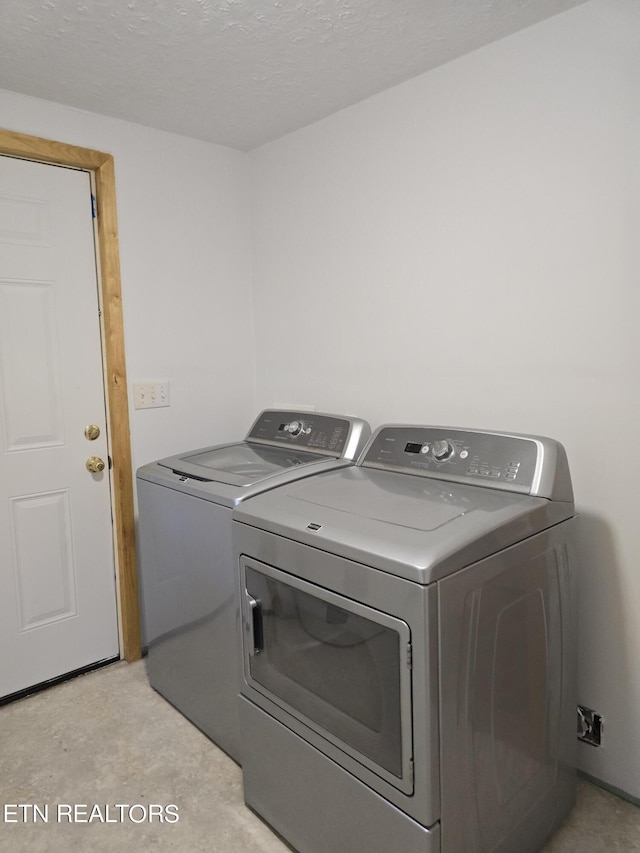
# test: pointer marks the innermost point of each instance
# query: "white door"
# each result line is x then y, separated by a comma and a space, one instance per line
57, 586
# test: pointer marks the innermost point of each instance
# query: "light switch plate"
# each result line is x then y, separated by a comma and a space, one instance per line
151, 395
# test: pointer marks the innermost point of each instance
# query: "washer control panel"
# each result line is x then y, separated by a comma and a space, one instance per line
491, 459
307, 430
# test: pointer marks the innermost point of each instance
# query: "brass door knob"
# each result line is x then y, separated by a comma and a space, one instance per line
91, 432
95, 464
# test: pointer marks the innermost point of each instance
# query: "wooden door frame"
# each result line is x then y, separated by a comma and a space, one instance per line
102, 167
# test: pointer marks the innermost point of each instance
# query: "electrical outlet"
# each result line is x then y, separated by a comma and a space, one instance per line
151, 395
589, 726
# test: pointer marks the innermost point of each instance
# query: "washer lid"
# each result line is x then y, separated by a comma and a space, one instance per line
239, 464
413, 527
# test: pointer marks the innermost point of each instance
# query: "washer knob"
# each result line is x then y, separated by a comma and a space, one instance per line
295, 427
442, 450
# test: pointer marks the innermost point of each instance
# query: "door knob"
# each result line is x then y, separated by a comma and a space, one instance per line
95, 464
91, 432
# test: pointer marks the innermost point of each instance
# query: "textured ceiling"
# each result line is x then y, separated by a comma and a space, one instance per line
239, 72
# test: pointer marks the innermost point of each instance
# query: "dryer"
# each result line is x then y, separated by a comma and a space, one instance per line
188, 582
409, 647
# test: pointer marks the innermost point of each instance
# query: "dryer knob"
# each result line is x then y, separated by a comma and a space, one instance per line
442, 450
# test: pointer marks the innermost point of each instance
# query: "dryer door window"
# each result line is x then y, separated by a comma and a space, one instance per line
336, 665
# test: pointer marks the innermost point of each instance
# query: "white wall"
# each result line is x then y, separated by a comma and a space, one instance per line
186, 275
463, 249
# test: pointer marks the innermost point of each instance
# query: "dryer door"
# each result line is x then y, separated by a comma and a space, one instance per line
336, 665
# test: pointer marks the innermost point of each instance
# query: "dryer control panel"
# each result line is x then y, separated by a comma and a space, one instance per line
330, 435
528, 464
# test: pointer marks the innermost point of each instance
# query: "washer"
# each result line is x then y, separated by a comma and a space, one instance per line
188, 580
409, 647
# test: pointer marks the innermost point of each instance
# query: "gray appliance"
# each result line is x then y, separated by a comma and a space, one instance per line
409, 647
188, 580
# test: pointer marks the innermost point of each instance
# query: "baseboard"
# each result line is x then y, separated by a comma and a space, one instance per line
624, 795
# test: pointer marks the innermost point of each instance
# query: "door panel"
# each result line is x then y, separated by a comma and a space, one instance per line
41, 528
58, 612
33, 410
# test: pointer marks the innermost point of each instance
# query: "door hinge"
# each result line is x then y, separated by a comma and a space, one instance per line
93, 206
409, 656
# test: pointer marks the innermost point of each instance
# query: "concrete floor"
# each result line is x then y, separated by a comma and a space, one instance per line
108, 739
